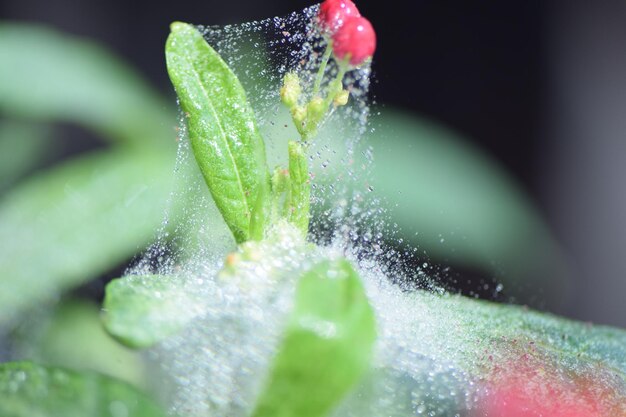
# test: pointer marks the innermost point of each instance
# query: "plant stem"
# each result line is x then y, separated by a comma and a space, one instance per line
336, 85
322, 69
299, 193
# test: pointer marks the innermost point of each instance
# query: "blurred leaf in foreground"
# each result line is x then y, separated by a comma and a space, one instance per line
29, 390
77, 221
49, 76
327, 344
22, 147
72, 337
140, 311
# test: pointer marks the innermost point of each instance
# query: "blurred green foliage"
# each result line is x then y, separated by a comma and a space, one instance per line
22, 147
64, 225
78, 221
50, 76
50, 338
458, 205
28, 390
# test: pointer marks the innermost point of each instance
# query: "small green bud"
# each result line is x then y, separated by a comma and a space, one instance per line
291, 90
315, 110
341, 98
280, 180
298, 114
335, 87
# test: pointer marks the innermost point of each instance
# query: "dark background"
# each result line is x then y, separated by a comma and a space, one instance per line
539, 85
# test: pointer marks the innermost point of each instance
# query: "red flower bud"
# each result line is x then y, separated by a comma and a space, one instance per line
334, 13
355, 39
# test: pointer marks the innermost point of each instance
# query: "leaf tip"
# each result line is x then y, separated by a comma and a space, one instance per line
179, 26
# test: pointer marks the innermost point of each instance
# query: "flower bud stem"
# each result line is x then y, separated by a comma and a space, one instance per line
320, 72
292, 187
299, 195
336, 85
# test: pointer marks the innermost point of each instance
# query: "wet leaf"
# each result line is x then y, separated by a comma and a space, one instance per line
492, 324
78, 220
538, 363
445, 355
326, 347
140, 311
51, 76
221, 125
29, 390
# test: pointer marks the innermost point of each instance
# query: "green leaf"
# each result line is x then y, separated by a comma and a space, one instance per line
440, 350
71, 336
22, 147
225, 140
29, 390
480, 324
327, 344
458, 205
77, 221
52, 76
140, 311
